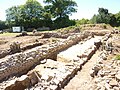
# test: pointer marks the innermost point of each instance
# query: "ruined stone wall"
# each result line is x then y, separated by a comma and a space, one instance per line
6, 52
20, 63
54, 75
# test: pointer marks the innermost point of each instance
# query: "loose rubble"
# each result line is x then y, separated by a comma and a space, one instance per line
106, 73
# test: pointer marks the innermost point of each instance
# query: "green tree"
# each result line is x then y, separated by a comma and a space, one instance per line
31, 13
62, 22
102, 17
61, 8
47, 17
13, 16
82, 21
28, 15
3, 25
117, 16
113, 20
94, 20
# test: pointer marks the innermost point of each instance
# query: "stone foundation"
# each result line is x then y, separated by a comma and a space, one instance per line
54, 75
20, 63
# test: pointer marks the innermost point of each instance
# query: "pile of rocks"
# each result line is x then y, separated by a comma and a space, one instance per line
106, 74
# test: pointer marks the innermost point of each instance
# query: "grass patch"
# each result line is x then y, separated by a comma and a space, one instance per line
118, 28
9, 34
12, 34
117, 57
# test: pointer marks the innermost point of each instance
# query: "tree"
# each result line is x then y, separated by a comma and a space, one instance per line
3, 25
62, 22
28, 15
113, 20
94, 19
102, 17
117, 16
47, 17
13, 16
31, 13
61, 8
82, 21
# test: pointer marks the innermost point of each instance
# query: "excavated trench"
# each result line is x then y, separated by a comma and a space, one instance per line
48, 67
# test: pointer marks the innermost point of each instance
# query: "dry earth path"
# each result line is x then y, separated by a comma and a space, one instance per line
83, 79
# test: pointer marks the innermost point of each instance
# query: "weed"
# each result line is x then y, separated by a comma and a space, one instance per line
117, 57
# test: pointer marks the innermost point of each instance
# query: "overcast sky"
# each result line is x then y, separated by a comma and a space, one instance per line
85, 9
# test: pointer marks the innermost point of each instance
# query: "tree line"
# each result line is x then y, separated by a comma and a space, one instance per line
103, 16
55, 14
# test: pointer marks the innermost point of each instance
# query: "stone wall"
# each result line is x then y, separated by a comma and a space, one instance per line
6, 52
48, 35
54, 75
20, 63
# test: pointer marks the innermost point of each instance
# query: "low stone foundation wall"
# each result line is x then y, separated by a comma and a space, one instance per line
48, 35
54, 75
20, 63
6, 52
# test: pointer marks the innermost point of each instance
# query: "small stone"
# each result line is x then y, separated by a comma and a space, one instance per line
32, 76
107, 86
49, 78
25, 81
113, 72
113, 82
92, 74
53, 87
116, 88
20, 84
43, 61
118, 76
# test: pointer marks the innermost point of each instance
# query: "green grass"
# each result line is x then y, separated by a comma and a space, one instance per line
117, 57
9, 34
12, 34
118, 28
